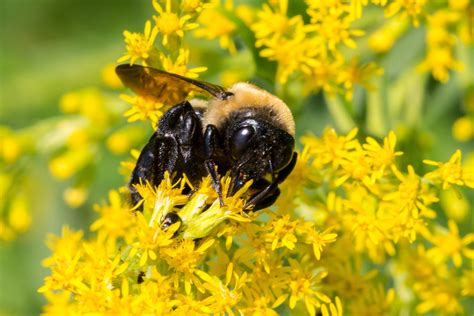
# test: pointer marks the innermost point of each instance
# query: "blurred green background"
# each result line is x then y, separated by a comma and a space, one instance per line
49, 47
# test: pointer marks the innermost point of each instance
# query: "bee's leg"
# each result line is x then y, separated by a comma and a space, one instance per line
158, 156
266, 200
211, 169
211, 142
269, 193
285, 172
261, 196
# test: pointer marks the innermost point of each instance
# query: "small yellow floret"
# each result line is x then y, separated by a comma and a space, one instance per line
463, 129
19, 217
110, 78
75, 197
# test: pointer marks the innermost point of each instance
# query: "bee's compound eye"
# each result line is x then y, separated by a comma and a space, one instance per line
240, 140
169, 220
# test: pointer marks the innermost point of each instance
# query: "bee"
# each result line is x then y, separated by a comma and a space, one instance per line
244, 130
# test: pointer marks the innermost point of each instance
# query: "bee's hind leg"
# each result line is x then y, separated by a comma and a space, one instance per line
158, 156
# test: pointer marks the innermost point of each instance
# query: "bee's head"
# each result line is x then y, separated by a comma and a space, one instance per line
257, 149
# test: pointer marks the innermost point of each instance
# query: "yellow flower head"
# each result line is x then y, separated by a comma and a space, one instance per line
139, 46
179, 64
450, 245
451, 172
409, 8
215, 25
169, 23
143, 108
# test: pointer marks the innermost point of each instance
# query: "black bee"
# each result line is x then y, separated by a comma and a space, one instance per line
244, 130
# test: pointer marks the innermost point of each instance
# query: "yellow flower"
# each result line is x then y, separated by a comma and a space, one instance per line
245, 13
411, 8
369, 230
199, 224
79, 138
110, 78
274, 23
384, 38
230, 76
223, 299
75, 197
332, 22
261, 306
332, 309
184, 257
440, 60
169, 23
69, 163
179, 65
118, 143
150, 238
215, 25
455, 204
345, 274
467, 282
70, 102
373, 301
115, 221
285, 40
10, 146
66, 254
458, 4
451, 172
412, 195
19, 217
451, 245
440, 56
355, 166
382, 156
187, 305
193, 5
463, 129
330, 148
441, 297
281, 233
355, 73
143, 108
304, 285
139, 46
89, 103
317, 239
122, 140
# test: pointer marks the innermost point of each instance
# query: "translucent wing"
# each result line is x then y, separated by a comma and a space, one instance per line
166, 87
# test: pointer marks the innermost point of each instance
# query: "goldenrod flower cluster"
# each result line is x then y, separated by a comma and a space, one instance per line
346, 207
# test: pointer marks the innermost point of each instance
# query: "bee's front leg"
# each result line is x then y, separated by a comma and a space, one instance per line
211, 143
269, 191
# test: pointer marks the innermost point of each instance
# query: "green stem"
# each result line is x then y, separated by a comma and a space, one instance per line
339, 113
376, 120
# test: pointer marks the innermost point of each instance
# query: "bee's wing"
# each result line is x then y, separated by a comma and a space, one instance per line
166, 87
